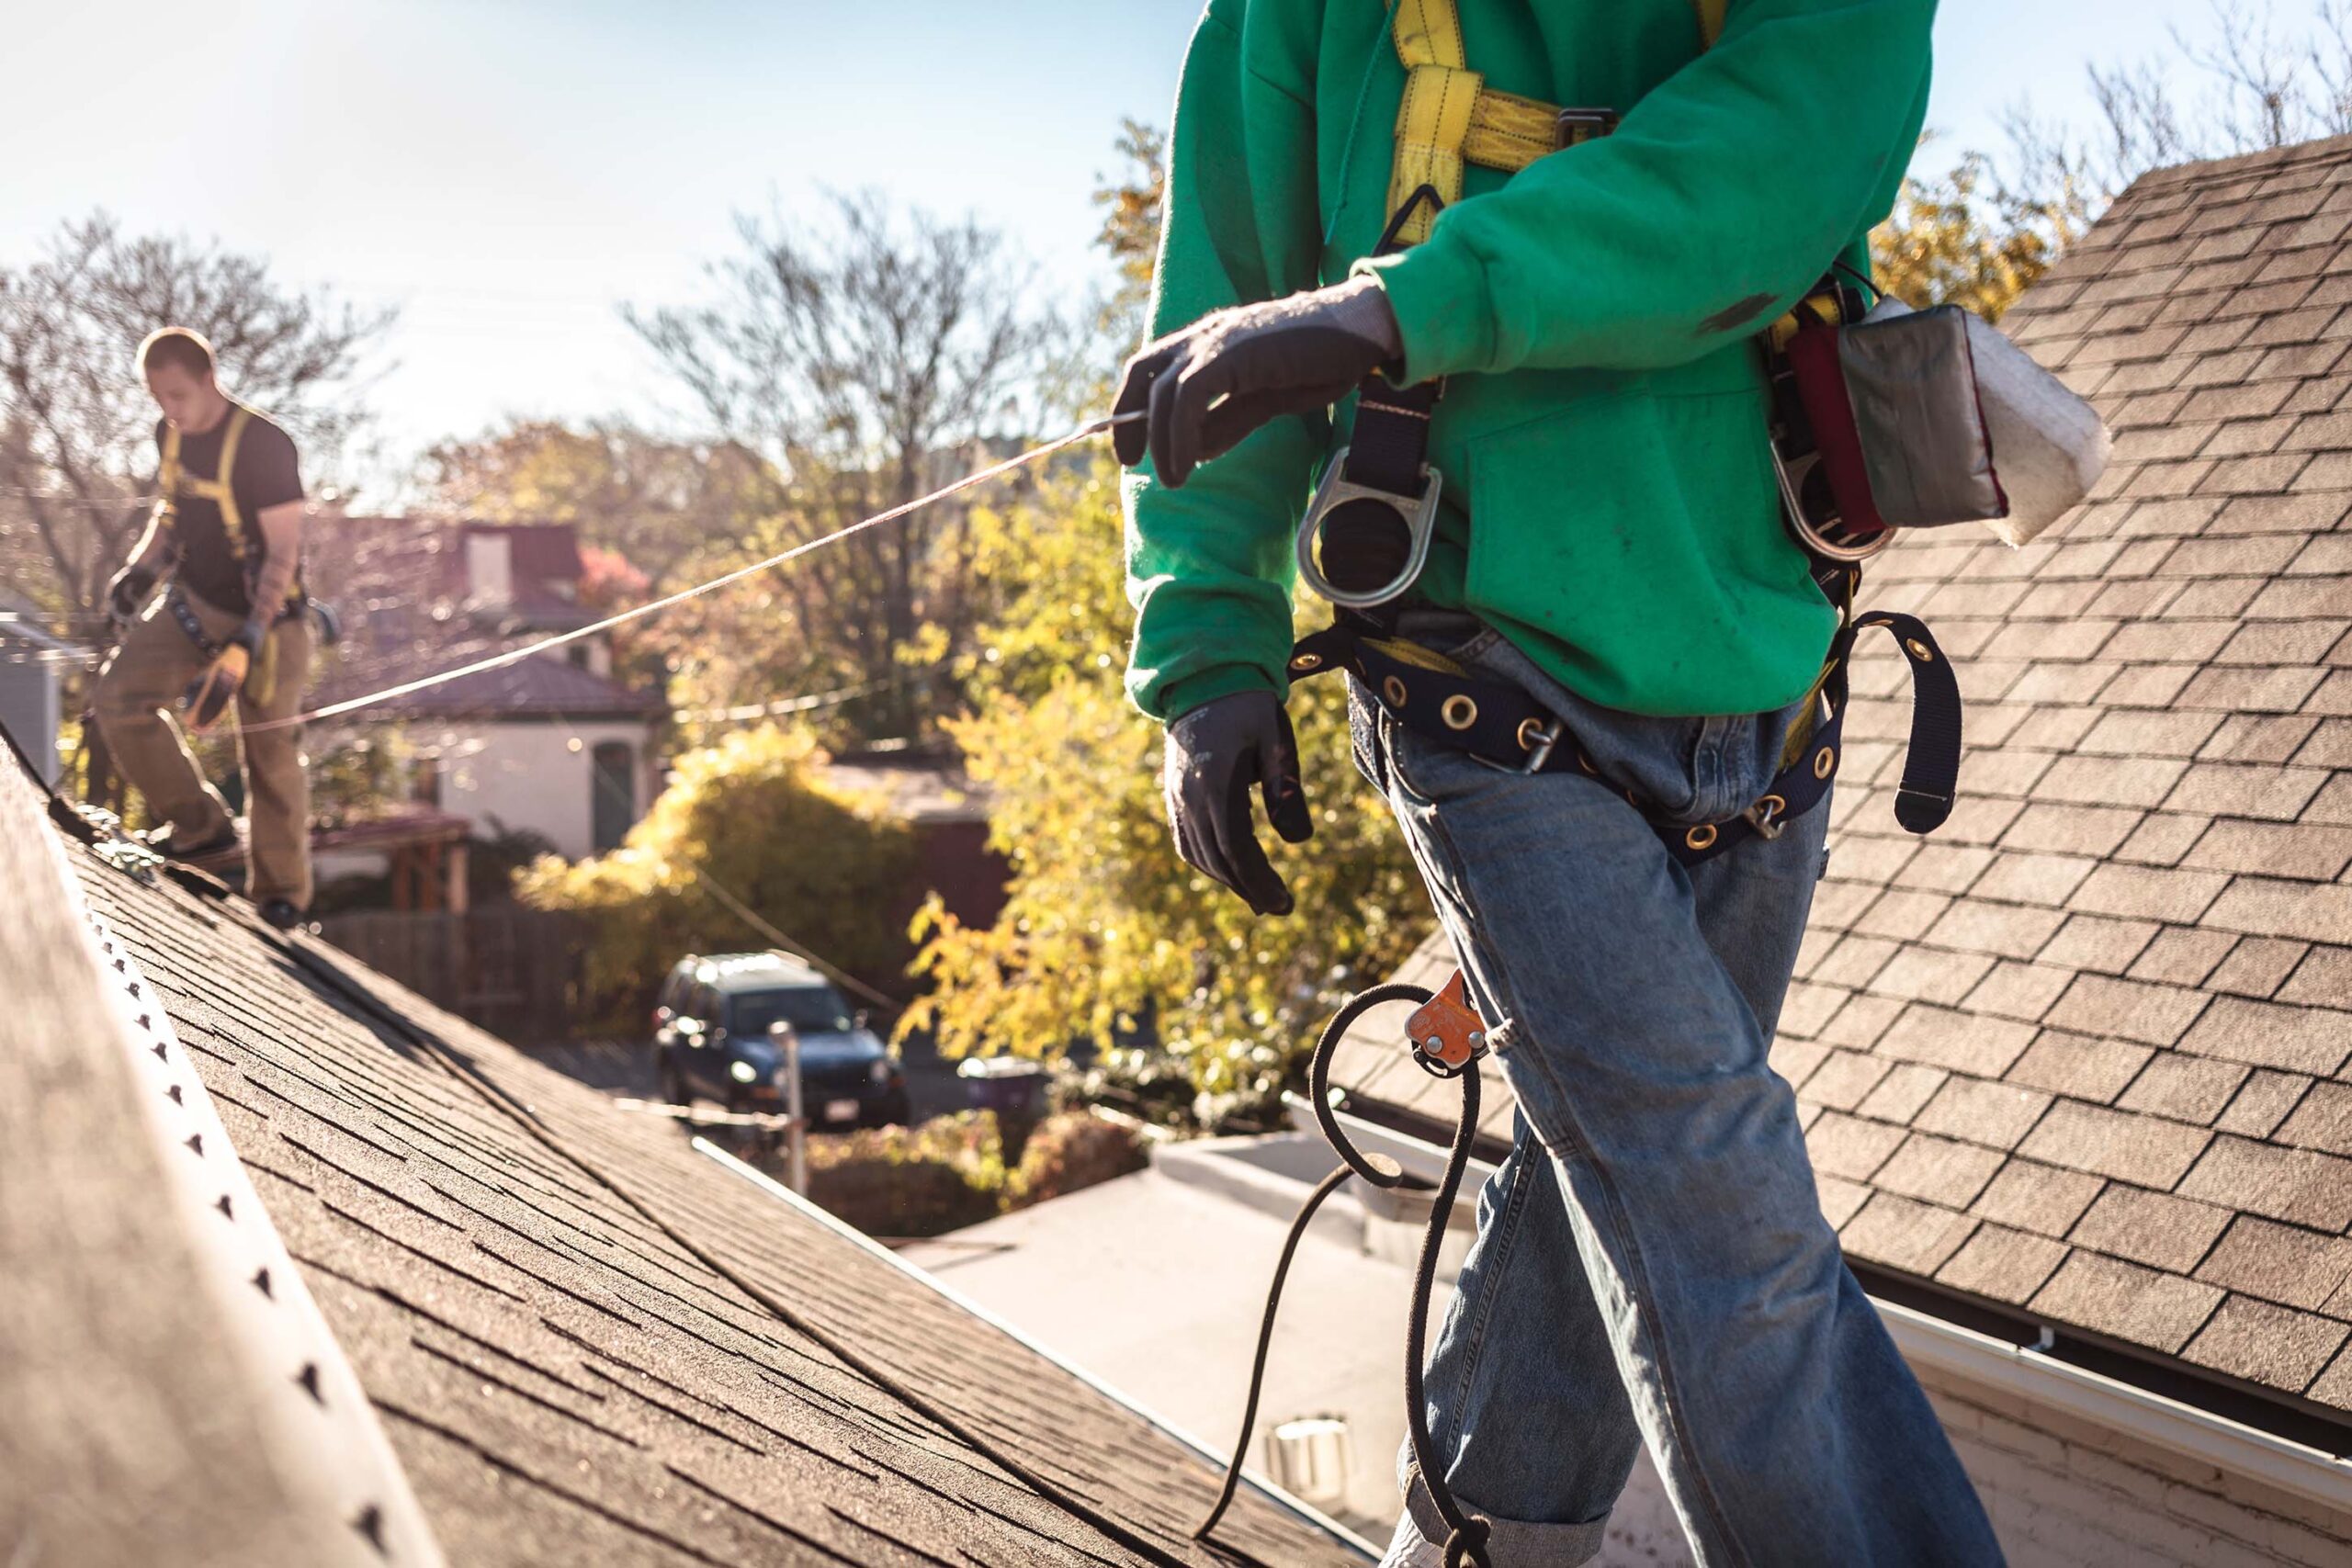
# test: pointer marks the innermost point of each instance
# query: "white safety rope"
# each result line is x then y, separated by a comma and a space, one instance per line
515, 655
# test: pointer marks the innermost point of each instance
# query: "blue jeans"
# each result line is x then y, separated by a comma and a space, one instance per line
1651, 1263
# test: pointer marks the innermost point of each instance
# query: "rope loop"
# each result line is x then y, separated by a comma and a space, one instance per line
1466, 1544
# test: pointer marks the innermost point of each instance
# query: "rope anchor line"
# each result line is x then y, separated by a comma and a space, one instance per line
639, 612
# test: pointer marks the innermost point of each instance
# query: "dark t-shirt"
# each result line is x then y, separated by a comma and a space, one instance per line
215, 567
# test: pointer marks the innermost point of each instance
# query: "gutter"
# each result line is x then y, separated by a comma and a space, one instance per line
1306, 1513
1988, 1360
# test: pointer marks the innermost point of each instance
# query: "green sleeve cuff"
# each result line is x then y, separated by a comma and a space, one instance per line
1445, 315
1182, 697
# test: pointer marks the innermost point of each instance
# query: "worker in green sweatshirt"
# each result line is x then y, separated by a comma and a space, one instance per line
1621, 870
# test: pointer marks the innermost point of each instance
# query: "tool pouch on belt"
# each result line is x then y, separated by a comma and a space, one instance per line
1927, 418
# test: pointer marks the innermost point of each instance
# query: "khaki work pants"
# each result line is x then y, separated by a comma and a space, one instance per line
139, 692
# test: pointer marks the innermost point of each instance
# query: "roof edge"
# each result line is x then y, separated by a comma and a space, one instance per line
1307, 1513
2258, 162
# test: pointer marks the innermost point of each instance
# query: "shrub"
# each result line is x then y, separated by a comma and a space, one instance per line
1071, 1150
819, 863
912, 1181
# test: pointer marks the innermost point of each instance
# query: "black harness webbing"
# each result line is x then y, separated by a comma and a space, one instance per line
1499, 722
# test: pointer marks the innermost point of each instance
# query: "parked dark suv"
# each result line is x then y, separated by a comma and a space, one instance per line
712, 1036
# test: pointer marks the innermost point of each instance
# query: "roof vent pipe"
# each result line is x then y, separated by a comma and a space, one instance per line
1310, 1459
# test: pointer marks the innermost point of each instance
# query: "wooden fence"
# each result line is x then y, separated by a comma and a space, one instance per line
510, 970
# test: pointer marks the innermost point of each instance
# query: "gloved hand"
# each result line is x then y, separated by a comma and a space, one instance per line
1290, 355
1214, 754
126, 593
209, 694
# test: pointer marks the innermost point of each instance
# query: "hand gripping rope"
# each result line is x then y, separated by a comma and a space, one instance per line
1447, 1037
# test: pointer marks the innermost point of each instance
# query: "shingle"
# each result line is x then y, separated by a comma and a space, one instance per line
1849, 1146
2127, 1301
1861, 1021
1842, 1080
2153, 1228
2186, 1088
2154, 1015
1914, 1237
2237, 789
2255, 965
2002, 931
2038, 1197
2029, 878
2071, 830
2265, 1035
2137, 733
2244, 690
1853, 961
1939, 1170
2149, 893
2266, 1344
2006, 1265
1962, 1041
2095, 942
2287, 1184
2083, 1067
2322, 977
2140, 1149
2308, 851
2324, 1120
2264, 906
2182, 957
1795, 1060
2278, 1263
1902, 1091
2115, 781
1807, 1007
1902, 916
2264, 1102
2019, 990
1983, 1113
2252, 738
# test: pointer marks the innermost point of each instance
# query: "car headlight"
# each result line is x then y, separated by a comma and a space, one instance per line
883, 1070
742, 1072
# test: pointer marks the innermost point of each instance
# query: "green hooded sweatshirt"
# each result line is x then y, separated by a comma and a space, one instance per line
1610, 503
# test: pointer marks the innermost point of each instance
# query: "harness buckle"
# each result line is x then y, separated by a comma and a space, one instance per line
1540, 744
1572, 128
1367, 505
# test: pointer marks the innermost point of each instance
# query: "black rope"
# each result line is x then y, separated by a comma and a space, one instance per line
1465, 1542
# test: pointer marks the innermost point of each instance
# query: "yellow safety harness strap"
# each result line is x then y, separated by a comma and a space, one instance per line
220, 488
1450, 116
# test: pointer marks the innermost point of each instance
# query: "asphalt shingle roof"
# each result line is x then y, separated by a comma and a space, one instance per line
2084, 1051
588, 1342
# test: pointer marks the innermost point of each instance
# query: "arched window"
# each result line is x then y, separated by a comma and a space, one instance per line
613, 780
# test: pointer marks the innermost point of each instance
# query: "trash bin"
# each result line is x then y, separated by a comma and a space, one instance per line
1013, 1087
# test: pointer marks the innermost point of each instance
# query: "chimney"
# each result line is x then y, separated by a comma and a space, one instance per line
489, 569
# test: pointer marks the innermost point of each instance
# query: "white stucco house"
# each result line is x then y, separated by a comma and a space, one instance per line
552, 744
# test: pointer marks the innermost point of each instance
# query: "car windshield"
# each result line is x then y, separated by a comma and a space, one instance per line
811, 1009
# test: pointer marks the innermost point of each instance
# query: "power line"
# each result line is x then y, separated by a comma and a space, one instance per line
515, 655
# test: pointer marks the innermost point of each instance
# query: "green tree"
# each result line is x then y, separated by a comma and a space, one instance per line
752, 815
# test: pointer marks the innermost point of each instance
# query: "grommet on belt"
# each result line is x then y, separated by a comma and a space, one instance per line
1919, 650
1702, 837
1458, 711
1393, 690
1307, 662
1824, 760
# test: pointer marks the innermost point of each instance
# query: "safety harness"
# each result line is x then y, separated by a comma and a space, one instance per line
1363, 541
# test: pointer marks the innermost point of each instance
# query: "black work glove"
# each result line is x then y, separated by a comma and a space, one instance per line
126, 594
1291, 355
1214, 754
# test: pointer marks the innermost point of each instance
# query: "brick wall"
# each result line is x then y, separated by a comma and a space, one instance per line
2065, 1492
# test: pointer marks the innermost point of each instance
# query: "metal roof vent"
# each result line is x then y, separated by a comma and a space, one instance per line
1310, 1458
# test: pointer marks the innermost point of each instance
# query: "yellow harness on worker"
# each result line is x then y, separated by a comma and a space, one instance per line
1450, 116
175, 481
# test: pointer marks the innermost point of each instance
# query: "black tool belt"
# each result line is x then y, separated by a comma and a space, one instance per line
1499, 723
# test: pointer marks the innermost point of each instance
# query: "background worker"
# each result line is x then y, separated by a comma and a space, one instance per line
229, 631
1651, 1266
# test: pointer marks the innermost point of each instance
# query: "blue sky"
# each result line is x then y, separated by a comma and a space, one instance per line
508, 170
